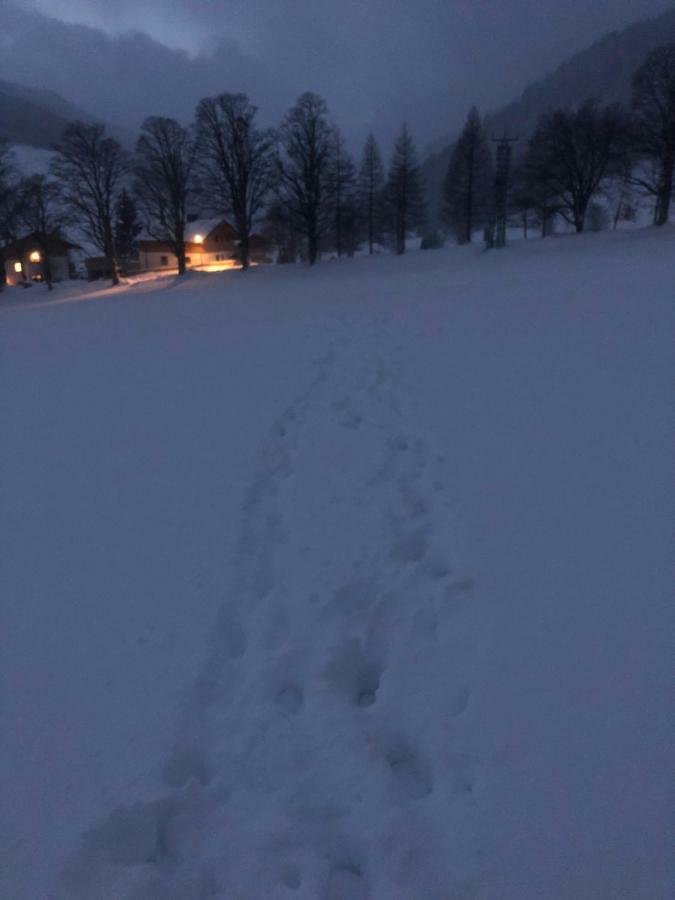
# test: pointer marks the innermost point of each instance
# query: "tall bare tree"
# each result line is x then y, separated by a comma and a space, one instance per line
235, 163
43, 213
164, 183
371, 191
405, 193
304, 171
469, 182
572, 154
90, 168
654, 140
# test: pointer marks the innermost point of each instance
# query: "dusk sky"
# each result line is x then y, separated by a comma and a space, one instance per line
376, 62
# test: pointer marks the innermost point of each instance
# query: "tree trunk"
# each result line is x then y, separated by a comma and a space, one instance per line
312, 249
665, 191
182, 267
244, 253
47, 268
579, 221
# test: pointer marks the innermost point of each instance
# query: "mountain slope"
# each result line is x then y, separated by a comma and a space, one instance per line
36, 117
33, 116
603, 71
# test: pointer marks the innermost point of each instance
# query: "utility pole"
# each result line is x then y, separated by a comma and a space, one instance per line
502, 178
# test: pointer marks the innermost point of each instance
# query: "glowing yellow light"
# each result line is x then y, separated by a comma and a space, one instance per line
199, 239
35, 256
18, 267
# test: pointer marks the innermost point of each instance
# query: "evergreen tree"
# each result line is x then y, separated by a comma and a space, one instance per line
371, 191
469, 183
127, 226
342, 187
404, 191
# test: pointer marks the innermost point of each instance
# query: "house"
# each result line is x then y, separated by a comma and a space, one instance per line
211, 245
25, 259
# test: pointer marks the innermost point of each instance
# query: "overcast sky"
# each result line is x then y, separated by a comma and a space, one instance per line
376, 62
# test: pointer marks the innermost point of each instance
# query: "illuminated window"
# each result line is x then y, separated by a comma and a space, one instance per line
35, 256
18, 268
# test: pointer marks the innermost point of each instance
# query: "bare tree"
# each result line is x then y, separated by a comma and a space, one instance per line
8, 201
468, 186
90, 168
530, 196
342, 187
304, 171
572, 154
371, 190
43, 213
405, 194
654, 138
235, 162
164, 183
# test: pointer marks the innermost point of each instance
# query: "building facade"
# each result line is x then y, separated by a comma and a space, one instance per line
31, 258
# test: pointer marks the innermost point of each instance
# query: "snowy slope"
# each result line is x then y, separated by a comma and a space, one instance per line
344, 583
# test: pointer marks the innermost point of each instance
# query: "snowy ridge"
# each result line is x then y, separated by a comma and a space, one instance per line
305, 747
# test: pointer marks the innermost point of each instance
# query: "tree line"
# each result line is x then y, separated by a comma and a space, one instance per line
574, 157
299, 184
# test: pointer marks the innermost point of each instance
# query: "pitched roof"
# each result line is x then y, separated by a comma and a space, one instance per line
55, 245
202, 227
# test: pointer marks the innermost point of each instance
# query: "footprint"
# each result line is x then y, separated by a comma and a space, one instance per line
353, 674
290, 699
292, 878
410, 547
410, 779
231, 628
347, 883
134, 835
459, 701
184, 765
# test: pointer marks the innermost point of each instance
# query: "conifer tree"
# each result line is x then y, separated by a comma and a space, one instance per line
404, 191
371, 191
469, 182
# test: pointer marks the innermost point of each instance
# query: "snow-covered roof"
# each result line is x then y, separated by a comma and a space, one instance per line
202, 227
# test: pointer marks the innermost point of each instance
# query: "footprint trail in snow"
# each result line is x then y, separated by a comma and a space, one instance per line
322, 751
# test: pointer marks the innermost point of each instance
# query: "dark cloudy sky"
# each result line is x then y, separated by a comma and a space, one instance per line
376, 62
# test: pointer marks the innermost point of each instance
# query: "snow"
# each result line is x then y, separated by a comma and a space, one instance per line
345, 583
32, 160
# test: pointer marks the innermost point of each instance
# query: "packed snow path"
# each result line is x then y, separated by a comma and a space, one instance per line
400, 650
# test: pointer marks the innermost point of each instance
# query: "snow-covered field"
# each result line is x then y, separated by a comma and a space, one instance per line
346, 583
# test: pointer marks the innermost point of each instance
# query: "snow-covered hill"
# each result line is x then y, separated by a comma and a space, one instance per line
344, 583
